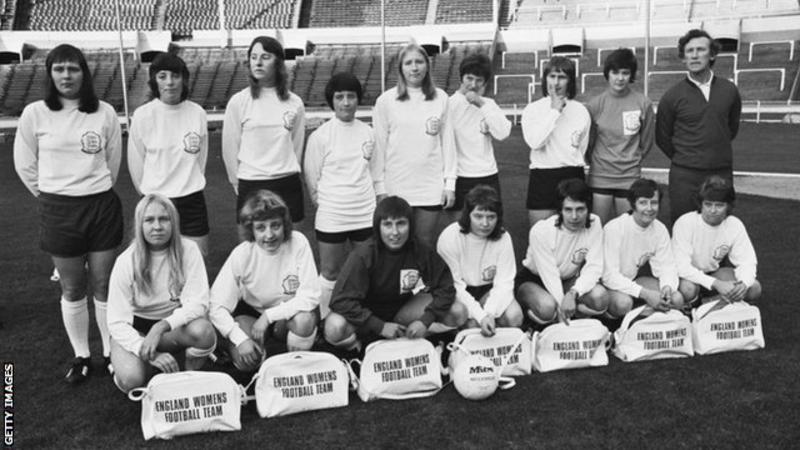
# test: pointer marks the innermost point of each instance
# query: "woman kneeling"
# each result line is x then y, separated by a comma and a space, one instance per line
268, 286
157, 300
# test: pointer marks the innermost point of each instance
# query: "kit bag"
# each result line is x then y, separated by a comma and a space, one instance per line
720, 326
294, 382
582, 343
659, 335
175, 404
496, 348
398, 369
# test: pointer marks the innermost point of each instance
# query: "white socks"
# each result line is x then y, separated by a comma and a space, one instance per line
349, 343
100, 309
295, 342
326, 290
76, 321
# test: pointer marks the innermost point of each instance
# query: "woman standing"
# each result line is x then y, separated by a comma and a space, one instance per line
416, 142
264, 130
168, 147
343, 177
67, 151
623, 126
158, 299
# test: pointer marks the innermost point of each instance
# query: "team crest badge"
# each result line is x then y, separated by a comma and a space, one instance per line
631, 122
191, 143
288, 120
409, 278
367, 148
721, 252
91, 142
644, 259
290, 284
484, 127
488, 273
579, 256
432, 125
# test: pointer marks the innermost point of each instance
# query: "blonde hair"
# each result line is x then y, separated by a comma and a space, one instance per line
428, 87
142, 253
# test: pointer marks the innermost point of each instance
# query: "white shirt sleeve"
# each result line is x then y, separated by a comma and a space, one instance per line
136, 152
194, 295
232, 138
743, 255
299, 132
498, 123
663, 262
224, 298
26, 151
449, 152
114, 145
502, 293
612, 274
307, 296
682, 251
120, 305
312, 166
377, 165
592, 269
448, 248
536, 130
545, 259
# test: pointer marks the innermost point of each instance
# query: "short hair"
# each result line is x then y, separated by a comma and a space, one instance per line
484, 197
88, 101
392, 207
643, 188
561, 64
281, 76
172, 63
476, 64
428, 87
142, 257
577, 190
263, 205
714, 47
343, 81
621, 58
716, 189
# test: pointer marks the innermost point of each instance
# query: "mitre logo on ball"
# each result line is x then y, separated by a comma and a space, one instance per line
475, 377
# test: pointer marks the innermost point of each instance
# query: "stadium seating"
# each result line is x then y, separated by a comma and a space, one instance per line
464, 11
242, 14
69, 15
359, 13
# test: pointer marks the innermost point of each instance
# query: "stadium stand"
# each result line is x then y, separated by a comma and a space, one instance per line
359, 13
465, 11
765, 68
242, 14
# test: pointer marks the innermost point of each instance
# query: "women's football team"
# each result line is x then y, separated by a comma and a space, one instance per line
379, 192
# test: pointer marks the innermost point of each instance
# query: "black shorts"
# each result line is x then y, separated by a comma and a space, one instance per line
477, 292
524, 276
431, 208
75, 226
193, 214
143, 325
542, 185
616, 193
243, 309
465, 184
290, 189
341, 237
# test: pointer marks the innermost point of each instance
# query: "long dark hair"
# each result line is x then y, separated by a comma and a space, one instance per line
281, 77
88, 102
